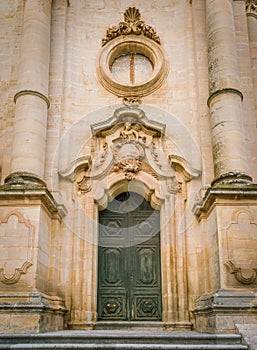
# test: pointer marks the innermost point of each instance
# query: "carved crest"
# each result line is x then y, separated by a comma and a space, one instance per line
130, 146
131, 25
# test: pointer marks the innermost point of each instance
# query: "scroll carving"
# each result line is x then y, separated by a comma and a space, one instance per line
84, 186
248, 276
17, 274
128, 146
132, 24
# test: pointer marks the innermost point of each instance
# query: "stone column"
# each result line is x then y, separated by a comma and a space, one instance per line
251, 10
225, 100
29, 141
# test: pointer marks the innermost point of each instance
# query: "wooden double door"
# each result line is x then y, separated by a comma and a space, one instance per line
129, 278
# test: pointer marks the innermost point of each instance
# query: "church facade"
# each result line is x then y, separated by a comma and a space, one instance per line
128, 192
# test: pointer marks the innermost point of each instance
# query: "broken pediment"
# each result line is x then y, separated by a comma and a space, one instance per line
127, 145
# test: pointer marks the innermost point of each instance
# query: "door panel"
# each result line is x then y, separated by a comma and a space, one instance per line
129, 283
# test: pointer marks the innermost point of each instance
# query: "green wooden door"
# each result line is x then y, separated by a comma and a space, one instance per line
129, 279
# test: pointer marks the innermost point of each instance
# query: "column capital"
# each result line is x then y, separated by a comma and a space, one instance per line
251, 8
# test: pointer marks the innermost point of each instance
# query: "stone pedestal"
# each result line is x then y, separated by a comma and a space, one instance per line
232, 211
29, 277
219, 312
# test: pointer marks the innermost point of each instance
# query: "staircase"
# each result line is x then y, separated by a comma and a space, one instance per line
122, 340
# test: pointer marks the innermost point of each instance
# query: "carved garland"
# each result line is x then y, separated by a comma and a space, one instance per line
131, 25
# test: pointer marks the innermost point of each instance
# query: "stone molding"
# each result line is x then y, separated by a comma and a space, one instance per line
224, 91
128, 146
232, 177
32, 93
138, 44
247, 191
239, 274
220, 310
46, 312
132, 25
244, 268
28, 247
16, 275
23, 186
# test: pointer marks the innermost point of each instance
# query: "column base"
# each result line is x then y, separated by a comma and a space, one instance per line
25, 180
232, 177
31, 313
219, 312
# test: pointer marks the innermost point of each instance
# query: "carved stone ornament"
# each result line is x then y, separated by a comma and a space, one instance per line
244, 276
251, 6
131, 25
16, 275
20, 231
83, 186
241, 253
128, 146
131, 62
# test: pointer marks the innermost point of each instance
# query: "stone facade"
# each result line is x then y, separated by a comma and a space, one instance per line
73, 137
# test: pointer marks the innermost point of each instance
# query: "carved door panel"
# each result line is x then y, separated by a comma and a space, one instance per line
129, 283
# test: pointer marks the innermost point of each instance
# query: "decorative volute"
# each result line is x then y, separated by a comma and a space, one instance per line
128, 147
132, 24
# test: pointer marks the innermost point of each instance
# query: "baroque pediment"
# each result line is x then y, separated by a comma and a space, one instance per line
127, 145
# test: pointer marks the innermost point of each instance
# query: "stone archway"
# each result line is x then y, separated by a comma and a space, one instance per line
128, 155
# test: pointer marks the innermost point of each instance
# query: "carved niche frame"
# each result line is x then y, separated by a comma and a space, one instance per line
128, 155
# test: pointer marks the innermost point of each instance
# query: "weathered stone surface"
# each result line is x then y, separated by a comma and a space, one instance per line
191, 153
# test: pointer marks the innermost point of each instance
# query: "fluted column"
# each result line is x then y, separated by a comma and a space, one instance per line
225, 100
29, 142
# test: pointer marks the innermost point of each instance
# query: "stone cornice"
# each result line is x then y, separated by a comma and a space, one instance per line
224, 91
225, 192
33, 93
26, 189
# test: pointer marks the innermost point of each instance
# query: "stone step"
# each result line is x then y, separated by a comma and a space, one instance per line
123, 346
109, 340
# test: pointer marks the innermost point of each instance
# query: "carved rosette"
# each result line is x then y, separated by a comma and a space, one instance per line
251, 7
132, 24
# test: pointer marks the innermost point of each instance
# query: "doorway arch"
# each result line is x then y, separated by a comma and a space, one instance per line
129, 262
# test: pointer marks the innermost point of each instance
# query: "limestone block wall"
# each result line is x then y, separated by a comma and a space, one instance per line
62, 133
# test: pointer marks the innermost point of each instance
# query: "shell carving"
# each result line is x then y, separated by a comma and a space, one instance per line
131, 25
132, 15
